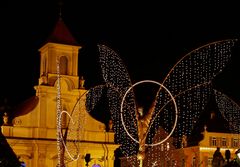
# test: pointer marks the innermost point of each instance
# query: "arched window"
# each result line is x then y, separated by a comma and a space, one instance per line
44, 65
63, 65
194, 163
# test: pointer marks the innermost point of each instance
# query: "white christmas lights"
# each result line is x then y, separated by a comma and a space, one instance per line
189, 82
229, 109
68, 143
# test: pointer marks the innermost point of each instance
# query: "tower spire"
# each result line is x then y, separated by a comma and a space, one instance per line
60, 4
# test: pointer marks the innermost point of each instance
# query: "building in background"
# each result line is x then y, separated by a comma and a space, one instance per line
197, 150
32, 131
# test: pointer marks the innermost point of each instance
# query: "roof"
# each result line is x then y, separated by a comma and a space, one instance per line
26, 107
61, 34
213, 121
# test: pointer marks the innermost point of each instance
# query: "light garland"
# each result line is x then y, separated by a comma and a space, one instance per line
58, 113
189, 81
75, 128
175, 107
68, 143
229, 109
73, 157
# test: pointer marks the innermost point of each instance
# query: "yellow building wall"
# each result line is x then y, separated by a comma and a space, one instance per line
203, 152
33, 134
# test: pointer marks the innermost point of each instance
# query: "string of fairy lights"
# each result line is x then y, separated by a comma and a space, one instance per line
229, 109
159, 155
70, 125
74, 130
58, 113
195, 70
189, 81
150, 143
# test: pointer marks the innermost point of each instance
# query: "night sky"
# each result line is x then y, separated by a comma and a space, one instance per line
149, 37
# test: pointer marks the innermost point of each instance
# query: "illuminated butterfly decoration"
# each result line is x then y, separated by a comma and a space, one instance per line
189, 82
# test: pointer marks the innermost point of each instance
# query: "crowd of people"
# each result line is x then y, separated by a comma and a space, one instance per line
220, 161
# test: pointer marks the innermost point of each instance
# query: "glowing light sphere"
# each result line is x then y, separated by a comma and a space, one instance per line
175, 107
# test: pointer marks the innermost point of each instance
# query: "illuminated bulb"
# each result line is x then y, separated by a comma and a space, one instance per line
140, 156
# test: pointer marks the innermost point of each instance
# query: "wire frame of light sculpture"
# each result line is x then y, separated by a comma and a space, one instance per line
113, 67
118, 81
74, 131
229, 109
152, 119
160, 136
163, 154
69, 135
190, 82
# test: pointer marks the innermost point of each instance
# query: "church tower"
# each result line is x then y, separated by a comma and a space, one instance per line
33, 132
60, 47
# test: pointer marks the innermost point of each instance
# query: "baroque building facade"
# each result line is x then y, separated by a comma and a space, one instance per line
32, 133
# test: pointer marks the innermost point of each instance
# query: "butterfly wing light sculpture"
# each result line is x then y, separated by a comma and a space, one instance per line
188, 85
229, 109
